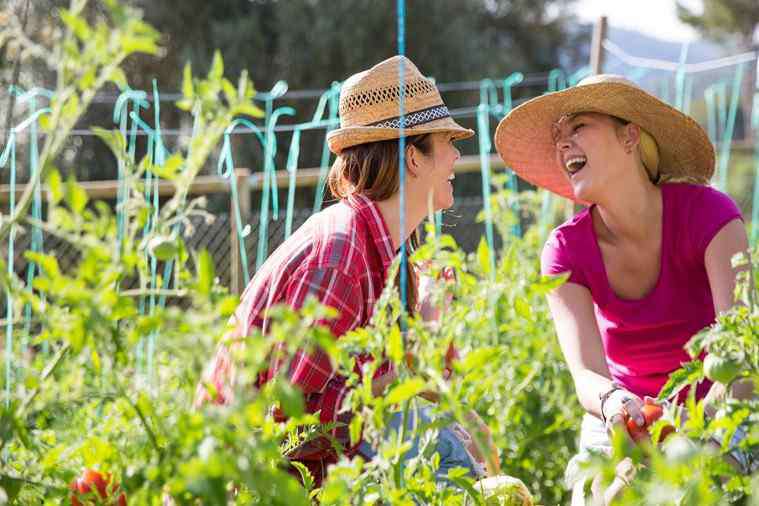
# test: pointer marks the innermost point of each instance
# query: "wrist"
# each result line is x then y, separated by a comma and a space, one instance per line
604, 397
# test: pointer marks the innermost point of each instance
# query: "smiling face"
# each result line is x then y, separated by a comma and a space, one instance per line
594, 152
434, 173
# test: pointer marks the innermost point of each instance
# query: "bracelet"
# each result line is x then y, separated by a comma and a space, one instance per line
605, 395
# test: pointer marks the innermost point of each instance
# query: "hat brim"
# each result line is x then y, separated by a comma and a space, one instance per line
524, 137
346, 137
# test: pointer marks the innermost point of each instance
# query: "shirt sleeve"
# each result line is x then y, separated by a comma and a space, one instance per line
333, 288
709, 212
557, 259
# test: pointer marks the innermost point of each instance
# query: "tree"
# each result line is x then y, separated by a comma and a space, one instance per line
735, 21
725, 20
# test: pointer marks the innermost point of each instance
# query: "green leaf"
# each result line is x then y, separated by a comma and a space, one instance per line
230, 93
248, 109
290, 399
55, 186
95, 357
119, 78
133, 44
205, 272
76, 196
48, 263
305, 475
114, 139
355, 428
483, 257
76, 24
522, 308
217, 68
405, 391
170, 168
688, 374
188, 90
395, 345
87, 79
71, 107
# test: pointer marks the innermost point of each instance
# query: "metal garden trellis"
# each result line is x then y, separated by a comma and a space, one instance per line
720, 98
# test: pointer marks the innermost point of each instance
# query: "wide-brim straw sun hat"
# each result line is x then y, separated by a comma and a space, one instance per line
524, 138
370, 106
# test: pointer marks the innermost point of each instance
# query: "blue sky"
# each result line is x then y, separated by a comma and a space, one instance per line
657, 18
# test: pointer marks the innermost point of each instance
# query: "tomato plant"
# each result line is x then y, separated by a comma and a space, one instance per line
94, 484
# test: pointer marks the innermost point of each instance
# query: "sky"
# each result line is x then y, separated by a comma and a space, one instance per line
657, 18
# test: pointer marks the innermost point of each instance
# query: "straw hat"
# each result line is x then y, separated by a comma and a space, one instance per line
524, 137
370, 106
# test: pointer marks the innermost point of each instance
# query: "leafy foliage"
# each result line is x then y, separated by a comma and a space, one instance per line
91, 403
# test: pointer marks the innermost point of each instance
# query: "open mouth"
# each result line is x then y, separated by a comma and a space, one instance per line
575, 164
451, 178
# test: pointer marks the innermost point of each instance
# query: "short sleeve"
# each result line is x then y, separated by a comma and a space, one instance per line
709, 212
557, 259
333, 288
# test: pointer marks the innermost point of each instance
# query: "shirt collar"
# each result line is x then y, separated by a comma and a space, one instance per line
368, 210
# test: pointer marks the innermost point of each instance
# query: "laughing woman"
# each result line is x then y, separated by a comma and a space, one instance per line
341, 255
649, 259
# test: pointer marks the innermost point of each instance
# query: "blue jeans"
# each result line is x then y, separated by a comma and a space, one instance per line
450, 448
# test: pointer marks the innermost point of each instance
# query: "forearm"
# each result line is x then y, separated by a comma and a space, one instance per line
589, 386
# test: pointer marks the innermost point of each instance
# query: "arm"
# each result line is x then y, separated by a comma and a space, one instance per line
571, 307
334, 288
729, 241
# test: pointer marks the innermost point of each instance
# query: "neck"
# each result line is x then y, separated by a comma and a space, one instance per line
391, 212
629, 213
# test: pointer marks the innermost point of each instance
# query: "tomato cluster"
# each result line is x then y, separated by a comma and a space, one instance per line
107, 489
651, 412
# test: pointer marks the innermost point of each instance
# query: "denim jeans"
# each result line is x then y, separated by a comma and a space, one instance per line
452, 451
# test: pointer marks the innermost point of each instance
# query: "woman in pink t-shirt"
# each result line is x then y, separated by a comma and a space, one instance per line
648, 262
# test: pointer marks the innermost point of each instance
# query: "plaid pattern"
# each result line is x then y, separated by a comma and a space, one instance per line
340, 256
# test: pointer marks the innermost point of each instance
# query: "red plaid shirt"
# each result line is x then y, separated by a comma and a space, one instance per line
340, 256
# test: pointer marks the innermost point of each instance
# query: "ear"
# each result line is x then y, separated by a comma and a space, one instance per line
631, 137
412, 160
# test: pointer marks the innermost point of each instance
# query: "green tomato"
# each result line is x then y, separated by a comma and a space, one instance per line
721, 369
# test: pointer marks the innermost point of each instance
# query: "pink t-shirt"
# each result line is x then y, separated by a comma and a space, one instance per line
644, 338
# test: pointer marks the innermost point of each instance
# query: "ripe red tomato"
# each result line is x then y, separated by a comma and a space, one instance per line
651, 412
103, 484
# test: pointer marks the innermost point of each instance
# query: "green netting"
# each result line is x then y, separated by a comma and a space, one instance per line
711, 91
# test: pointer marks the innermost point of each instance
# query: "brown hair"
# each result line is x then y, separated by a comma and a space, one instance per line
372, 170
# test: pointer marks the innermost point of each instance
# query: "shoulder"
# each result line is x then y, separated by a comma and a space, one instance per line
696, 214
337, 234
565, 245
695, 198
572, 232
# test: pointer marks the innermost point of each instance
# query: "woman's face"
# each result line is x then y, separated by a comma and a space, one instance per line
435, 173
589, 150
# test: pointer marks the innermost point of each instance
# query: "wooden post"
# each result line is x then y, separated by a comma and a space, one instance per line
237, 280
596, 46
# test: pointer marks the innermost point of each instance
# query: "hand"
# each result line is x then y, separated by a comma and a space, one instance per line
620, 406
430, 311
482, 432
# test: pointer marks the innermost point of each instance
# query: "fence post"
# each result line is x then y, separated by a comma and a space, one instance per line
235, 264
596, 46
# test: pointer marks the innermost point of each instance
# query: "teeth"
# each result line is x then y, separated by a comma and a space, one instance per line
452, 177
574, 164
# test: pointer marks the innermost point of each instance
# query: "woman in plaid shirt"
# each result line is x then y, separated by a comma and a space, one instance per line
341, 254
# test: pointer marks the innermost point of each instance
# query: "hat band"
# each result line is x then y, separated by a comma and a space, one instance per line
415, 118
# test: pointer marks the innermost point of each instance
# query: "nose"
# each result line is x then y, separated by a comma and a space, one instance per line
458, 153
562, 143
